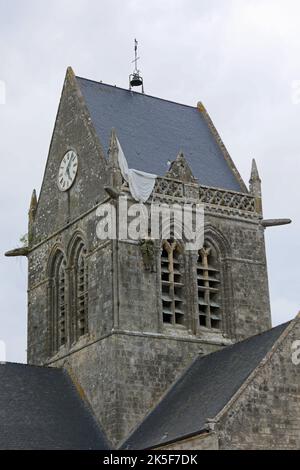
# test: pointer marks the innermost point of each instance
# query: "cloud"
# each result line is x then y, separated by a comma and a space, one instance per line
284, 310
239, 57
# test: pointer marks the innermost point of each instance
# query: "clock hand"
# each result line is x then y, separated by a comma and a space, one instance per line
68, 166
68, 173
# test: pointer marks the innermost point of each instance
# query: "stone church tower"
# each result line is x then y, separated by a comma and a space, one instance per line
125, 323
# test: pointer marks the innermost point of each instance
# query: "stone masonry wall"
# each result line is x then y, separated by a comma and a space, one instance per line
208, 441
124, 376
73, 131
125, 298
243, 257
129, 357
100, 298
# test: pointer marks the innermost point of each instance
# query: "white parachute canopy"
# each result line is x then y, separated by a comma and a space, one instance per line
141, 184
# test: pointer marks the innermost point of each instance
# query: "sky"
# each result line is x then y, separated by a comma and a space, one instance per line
239, 57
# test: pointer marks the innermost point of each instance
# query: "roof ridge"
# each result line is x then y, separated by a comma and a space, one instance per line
243, 341
264, 361
136, 92
198, 358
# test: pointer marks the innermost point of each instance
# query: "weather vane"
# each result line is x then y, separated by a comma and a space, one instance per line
135, 79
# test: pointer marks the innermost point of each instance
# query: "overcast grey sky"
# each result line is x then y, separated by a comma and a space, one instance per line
241, 58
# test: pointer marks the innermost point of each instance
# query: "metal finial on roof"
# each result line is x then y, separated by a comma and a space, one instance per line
135, 79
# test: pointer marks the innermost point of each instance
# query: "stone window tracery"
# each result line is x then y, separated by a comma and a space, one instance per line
208, 281
80, 291
58, 302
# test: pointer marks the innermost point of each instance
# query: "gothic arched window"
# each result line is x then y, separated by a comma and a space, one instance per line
209, 295
172, 283
58, 302
80, 291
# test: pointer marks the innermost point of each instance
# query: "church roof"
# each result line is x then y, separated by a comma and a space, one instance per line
202, 392
41, 409
153, 131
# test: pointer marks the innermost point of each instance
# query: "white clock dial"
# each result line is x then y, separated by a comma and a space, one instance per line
67, 170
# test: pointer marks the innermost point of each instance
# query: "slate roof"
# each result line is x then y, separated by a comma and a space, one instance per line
152, 131
41, 409
202, 392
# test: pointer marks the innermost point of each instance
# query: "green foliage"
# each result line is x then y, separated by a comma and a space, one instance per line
24, 240
148, 253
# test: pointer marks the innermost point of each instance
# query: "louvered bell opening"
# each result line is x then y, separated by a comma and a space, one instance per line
208, 295
172, 289
165, 286
215, 318
178, 292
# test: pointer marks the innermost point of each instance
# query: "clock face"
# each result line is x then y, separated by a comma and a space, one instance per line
67, 170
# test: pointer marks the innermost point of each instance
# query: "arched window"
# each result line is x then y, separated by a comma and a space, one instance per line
58, 303
80, 291
209, 295
172, 283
